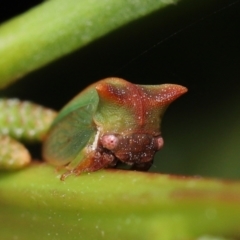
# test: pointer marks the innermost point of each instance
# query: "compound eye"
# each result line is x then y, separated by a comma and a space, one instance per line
109, 141
159, 142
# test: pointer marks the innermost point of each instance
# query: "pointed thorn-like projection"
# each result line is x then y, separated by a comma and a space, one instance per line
134, 107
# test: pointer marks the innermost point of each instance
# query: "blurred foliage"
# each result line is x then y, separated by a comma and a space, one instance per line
56, 28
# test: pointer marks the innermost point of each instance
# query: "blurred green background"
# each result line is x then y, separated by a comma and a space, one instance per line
194, 43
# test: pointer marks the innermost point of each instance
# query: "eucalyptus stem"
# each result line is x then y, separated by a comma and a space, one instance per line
57, 27
115, 204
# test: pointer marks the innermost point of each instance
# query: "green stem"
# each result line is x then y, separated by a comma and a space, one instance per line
57, 27
114, 204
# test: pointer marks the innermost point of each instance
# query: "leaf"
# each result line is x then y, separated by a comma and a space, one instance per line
57, 27
114, 204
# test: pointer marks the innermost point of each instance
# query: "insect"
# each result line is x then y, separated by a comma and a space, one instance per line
110, 121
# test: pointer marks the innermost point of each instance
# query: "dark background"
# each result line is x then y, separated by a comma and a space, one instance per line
193, 43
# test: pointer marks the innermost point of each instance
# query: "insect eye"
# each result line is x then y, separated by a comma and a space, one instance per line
159, 142
110, 141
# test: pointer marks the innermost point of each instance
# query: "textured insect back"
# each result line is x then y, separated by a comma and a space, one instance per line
115, 111
126, 107
13, 154
24, 120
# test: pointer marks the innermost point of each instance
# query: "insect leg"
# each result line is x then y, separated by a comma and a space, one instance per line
142, 166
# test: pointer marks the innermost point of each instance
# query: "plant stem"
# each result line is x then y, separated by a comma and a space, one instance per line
57, 27
115, 204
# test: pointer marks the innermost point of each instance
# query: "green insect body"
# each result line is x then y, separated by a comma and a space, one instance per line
21, 121
111, 121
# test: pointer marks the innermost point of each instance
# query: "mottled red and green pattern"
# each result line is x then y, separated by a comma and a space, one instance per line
127, 108
111, 121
